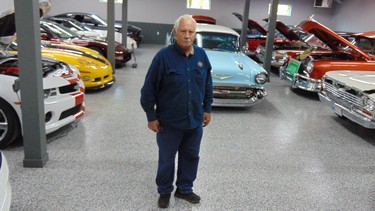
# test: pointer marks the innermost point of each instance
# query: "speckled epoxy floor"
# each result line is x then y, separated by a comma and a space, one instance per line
288, 153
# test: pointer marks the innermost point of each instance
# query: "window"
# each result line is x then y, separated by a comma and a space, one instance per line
199, 4
116, 1
282, 9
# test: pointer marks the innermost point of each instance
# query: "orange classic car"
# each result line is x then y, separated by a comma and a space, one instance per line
306, 70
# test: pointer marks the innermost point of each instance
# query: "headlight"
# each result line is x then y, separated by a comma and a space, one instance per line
309, 67
369, 103
49, 92
85, 78
285, 56
257, 50
274, 55
73, 68
261, 78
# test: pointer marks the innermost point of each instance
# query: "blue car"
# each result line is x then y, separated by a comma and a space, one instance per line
237, 79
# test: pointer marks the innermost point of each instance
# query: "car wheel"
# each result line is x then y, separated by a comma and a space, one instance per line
9, 124
99, 50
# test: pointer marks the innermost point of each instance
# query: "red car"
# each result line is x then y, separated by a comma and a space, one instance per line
53, 31
284, 35
305, 71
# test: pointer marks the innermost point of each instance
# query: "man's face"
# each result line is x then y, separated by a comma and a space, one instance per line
185, 34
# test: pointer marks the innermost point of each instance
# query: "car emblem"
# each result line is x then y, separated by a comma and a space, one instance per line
240, 65
221, 77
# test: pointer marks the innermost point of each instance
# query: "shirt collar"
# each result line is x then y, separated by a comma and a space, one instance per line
182, 52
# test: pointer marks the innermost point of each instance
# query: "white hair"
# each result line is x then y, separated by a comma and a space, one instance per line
183, 17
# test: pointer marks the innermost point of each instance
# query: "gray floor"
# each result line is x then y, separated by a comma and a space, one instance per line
288, 153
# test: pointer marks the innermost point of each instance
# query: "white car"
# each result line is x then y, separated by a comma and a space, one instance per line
5, 188
63, 97
351, 94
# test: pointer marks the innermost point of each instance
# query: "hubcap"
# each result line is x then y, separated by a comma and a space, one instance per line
3, 125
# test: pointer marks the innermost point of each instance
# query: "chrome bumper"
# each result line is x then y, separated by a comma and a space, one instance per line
300, 81
352, 115
223, 102
277, 63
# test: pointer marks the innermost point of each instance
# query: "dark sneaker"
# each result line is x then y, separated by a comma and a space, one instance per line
190, 197
163, 201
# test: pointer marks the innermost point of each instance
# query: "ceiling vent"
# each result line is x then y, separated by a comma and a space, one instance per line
323, 3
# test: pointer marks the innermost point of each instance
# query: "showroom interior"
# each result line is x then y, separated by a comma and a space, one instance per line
289, 152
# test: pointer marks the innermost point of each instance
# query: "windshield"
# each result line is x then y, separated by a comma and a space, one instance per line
76, 25
101, 20
217, 41
57, 30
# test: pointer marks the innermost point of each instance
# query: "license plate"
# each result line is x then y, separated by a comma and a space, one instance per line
337, 109
293, 67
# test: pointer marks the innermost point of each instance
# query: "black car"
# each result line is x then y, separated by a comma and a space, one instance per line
95, 21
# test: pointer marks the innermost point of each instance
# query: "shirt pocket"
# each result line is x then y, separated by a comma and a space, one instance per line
199, 76
173, 77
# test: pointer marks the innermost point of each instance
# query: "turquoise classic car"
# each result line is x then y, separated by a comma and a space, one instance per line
237, 79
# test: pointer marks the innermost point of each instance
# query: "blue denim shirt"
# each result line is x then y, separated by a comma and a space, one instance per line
178, 88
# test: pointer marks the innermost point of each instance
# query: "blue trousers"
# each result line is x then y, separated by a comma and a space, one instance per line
187, 144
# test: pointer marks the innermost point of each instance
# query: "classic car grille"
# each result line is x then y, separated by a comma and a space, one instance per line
70, 111
228, 92
69, 88
343, 94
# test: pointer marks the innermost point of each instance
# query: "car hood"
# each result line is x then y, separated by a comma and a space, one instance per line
361, 80
252, 24
329, 37
7, 18
232, 68
73, 54
285, 30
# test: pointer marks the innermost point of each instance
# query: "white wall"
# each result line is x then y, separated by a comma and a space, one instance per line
6, 4
166, 11
351, 15
355, 16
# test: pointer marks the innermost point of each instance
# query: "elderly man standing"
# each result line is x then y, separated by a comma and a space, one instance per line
177, 97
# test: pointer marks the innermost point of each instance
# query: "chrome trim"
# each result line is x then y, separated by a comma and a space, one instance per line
306, 83
350, 113
220, 102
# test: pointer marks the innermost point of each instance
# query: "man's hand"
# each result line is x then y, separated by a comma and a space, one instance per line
154, 125
206, 118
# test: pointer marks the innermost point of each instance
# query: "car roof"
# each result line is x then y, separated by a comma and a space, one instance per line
202, 27
74, 13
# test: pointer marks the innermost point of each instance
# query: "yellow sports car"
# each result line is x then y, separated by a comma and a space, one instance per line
96, 71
